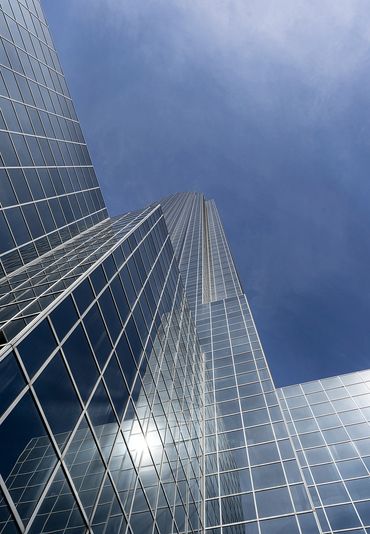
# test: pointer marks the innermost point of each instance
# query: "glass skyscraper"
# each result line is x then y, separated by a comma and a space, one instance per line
135, 394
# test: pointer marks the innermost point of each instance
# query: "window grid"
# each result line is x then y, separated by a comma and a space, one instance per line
318, 411
136, 396
194, 377
49, 190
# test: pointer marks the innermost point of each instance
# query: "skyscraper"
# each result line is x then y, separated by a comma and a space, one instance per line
135, 394
253, 481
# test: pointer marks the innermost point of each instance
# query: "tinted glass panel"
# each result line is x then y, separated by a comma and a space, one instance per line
37, 346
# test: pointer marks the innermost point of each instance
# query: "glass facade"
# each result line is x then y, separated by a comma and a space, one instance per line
102, 400
252, 473
253, 481
49, 191
135, 394
329, 422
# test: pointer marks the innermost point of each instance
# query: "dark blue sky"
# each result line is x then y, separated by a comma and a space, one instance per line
265, 107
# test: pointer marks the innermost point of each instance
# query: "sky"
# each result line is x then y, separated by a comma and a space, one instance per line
263, 106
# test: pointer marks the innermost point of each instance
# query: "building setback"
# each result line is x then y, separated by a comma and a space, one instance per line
135, 394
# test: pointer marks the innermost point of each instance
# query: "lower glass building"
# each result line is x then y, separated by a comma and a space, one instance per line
135, 394
329, 423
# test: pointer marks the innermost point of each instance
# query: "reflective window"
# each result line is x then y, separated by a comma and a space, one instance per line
24, 446
134, 339
98, 334
126, 360
333, 493
281, 524
120, 299
358, 489
12, 381
110, 314
98, 279
63, 317
83, 295
37, 346
59, 509
273, 502
363, 510
100, 409
268, 476
58, 398
343, 516
116, 385
81, 361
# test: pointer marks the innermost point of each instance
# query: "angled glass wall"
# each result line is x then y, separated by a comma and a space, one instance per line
135, 395
102, 400
253, 480
48, 188
329, 421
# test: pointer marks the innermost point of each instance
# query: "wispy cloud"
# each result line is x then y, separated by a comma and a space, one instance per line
262, 104
324, 41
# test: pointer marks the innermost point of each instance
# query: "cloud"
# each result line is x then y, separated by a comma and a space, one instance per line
262, 88
293, 61
324, 41
262, 104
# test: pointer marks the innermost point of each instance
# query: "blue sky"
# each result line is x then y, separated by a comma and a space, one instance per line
265, 107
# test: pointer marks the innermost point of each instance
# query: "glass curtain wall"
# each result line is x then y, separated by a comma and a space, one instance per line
102, 401
135, 394
49, 191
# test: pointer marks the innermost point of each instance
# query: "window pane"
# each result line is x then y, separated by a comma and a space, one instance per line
98, 335
273, 502
12, 381
25, 445
58, 398
64, 317
65, 516
81, 361
37, 346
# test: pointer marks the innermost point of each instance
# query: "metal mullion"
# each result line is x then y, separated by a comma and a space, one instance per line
17, 247
42, 22
10, 503
244, 432
47, 198
69, 290
137, 372
38, 61
36, 136
58, 455
340, 479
